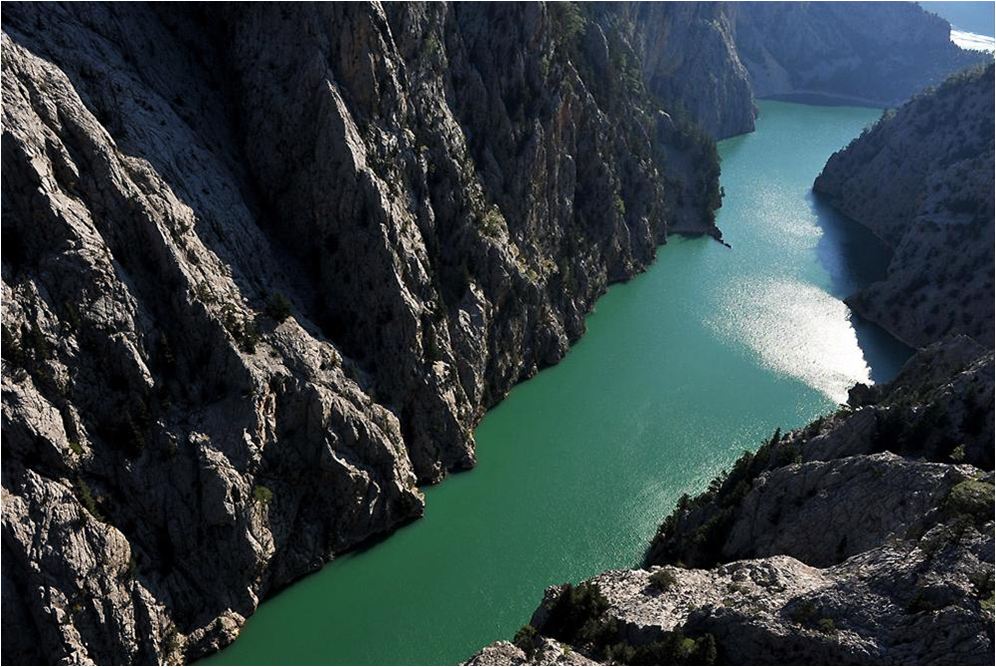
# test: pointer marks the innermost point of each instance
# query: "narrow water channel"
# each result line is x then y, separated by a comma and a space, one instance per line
682, 369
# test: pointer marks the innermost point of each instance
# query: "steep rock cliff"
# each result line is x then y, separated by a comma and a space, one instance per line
863, 538
690, 58
265, 266
922, 180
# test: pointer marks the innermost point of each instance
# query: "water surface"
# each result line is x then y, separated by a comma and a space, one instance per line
682, 369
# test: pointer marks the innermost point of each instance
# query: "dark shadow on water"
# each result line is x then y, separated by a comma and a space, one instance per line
855, 258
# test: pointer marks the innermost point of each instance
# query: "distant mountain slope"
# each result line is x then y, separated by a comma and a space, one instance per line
714, 59
876, 53
922, 180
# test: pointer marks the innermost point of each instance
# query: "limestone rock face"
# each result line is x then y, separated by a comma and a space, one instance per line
879, 467
922, 180
864, 538
690, 56
264, 268
547, 652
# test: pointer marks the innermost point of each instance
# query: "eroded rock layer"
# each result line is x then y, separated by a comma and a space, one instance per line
265, 266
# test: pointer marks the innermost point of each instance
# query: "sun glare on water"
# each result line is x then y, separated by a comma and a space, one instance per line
796, 329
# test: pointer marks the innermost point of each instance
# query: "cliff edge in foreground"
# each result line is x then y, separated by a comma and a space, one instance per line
864, 538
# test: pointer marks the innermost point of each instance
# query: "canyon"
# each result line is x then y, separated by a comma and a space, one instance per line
265, 268
865, 537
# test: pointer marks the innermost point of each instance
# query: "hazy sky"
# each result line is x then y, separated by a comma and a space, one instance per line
977, 17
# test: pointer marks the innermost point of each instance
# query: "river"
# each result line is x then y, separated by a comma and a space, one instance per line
681, 369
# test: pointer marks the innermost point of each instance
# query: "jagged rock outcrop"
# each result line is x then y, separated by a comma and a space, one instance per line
863, 538
264, 268
922, 180
545, 652
689, 57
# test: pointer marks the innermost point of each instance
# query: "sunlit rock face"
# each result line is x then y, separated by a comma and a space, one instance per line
922, 180
264, 268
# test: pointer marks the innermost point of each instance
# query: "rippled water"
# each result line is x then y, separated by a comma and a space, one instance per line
681, 370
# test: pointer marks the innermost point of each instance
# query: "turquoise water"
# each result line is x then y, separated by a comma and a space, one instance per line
682, 369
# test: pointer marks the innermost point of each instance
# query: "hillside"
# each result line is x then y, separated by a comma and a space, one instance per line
266, 266
922, 180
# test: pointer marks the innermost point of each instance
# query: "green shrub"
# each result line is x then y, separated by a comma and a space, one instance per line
249, 337
568, 23
674, 648
278, 307
431, 47
492, 222
244, 331
826, 626
262, 494
575, 614
972, 498
619, 205
525, 637
663, 579
171, 646
85, 496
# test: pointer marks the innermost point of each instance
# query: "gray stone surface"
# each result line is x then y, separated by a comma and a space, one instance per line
265, 267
